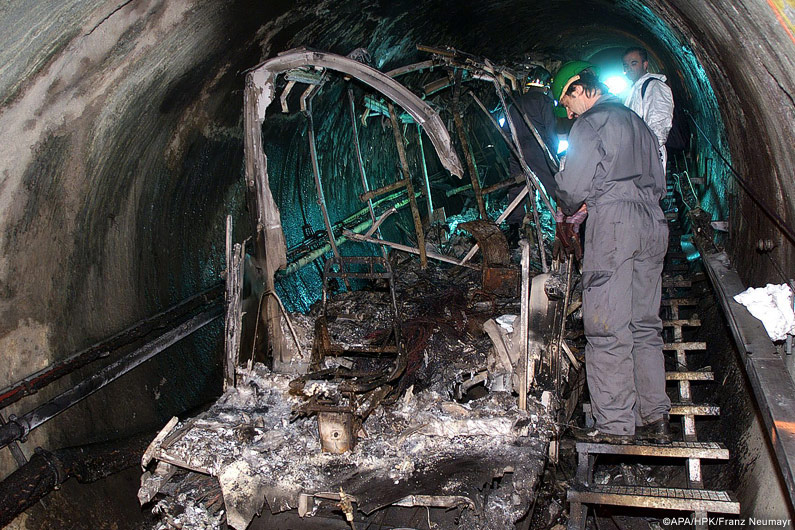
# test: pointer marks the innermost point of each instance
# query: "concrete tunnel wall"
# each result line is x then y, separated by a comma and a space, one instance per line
121, 151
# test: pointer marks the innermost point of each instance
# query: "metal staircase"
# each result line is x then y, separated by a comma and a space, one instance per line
694, 499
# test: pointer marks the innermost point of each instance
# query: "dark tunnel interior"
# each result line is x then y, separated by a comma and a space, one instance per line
122, 155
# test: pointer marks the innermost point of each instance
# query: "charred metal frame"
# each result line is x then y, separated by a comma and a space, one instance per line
234, 308
378, 268
270, 248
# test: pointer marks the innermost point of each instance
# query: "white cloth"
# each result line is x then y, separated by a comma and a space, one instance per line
772, 305
656, 107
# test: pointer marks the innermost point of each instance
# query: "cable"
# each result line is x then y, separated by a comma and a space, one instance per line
778, 221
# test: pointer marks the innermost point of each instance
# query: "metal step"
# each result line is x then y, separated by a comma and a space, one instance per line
680, 301
677, 267
693, 323
669, 283
711, 450
689, 376
693, 500
684, 346
694, 409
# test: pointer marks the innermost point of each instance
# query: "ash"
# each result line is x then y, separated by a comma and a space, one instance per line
259, 454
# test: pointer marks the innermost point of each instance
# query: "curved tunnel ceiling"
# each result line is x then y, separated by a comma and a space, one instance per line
122, 134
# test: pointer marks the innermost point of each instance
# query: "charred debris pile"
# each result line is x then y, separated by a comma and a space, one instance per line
434, 421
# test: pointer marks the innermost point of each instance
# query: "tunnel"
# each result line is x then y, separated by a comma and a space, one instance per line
123, 154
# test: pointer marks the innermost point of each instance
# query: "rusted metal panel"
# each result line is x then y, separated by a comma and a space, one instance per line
503, 281
491, 241
336, 431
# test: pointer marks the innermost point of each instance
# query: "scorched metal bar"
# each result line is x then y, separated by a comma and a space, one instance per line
35, 382
18, 428
321, 198
404, 166
420, 111
459, 125
428, 198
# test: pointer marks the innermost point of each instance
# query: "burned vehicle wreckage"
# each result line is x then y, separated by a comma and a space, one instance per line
430, 379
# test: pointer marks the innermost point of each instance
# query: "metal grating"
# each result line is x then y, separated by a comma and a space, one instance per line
687, 409
697, 500
689, 376
711, 450
693, 323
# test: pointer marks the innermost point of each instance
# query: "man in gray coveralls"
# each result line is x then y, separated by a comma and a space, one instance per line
613, 168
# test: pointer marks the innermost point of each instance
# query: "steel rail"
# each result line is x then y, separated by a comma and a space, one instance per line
18, 428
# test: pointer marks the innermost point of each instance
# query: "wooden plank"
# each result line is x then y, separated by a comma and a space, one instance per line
155, 445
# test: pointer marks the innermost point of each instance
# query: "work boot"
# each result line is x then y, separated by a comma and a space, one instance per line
657, 431
598, 437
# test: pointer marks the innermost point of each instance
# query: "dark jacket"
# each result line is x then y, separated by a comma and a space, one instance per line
538, 108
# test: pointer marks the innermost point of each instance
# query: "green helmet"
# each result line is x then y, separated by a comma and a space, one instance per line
566, 72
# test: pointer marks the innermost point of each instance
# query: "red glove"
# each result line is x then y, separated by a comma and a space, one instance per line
567, 234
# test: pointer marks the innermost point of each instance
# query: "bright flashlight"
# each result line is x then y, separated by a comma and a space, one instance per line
617, 84
562, 146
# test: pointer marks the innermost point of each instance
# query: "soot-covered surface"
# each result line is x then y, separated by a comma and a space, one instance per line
425, 443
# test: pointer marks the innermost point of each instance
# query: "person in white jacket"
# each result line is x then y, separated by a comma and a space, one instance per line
650, 97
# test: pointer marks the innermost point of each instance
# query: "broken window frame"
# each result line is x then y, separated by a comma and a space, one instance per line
270, 250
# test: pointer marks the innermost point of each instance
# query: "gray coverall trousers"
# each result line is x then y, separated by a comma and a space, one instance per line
613, 167
625, 244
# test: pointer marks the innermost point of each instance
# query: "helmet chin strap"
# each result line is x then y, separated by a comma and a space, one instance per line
568, 84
